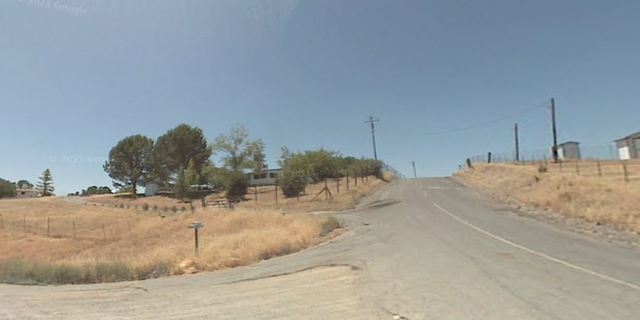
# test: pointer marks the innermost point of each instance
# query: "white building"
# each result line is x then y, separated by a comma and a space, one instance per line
265, 178
629, 147
569, 150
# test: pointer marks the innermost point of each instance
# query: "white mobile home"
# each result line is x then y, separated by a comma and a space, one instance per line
264, 178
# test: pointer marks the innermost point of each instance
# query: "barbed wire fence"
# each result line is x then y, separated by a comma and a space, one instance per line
593, 161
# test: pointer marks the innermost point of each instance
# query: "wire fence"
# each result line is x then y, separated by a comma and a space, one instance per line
536, 155
598, 162
388, 168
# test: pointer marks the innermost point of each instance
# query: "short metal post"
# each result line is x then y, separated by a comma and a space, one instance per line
196, 225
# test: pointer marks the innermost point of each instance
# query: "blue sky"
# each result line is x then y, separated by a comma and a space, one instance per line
308, 74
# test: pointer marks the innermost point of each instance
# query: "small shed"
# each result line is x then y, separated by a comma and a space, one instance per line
629, 147
569, 150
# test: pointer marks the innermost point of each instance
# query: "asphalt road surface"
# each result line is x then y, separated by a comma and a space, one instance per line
417, 249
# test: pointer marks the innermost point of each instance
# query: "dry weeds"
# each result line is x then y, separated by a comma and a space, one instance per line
86, 233
596, 199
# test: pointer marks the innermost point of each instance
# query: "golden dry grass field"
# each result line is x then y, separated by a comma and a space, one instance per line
578, 189
111, 238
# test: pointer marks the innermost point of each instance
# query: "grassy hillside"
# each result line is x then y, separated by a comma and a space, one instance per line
111, 238
576, 190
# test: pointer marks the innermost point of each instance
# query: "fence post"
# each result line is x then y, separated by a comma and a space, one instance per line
347, 181
276, 188
338, 184
104, 233
1, 221
599, 169
577, 167
626, 172
255, 193
326, 196
489, 157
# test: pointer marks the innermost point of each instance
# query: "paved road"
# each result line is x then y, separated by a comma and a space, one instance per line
418, 249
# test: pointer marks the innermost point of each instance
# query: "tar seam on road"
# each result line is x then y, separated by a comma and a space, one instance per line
540, 254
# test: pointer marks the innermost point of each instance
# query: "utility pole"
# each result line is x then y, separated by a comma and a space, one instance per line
517, 143
373, 135
553, 128
415, 175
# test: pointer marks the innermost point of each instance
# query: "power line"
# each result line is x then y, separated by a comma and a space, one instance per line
540, 105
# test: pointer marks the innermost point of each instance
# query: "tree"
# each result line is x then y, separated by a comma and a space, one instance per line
181, 187
292, 184
92, 190
104, 190
175, 149
323, 163
45, 185
130, 162
24, 183
7, 189
236, 184
192, 176
240, 152
366, 167
295, 173
215, 176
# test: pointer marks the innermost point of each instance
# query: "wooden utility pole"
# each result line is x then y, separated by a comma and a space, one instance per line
554, 131
373, 135
415, 175
517, 143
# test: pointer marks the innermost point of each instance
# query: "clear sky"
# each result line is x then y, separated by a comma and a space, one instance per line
78, 76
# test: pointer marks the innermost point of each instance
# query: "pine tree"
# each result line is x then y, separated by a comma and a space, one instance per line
45, 185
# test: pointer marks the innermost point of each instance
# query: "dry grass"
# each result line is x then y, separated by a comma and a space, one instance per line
573, 193
313, 200
136, 243
340, 199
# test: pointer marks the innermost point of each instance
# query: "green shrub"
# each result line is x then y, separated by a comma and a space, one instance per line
291, 184
155, 207
184, 208
165, 209
174, 209
145, 206
236, 185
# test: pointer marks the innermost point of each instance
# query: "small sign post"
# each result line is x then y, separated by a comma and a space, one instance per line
195, 226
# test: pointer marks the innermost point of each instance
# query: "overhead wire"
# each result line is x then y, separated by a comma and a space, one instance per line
538, 106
